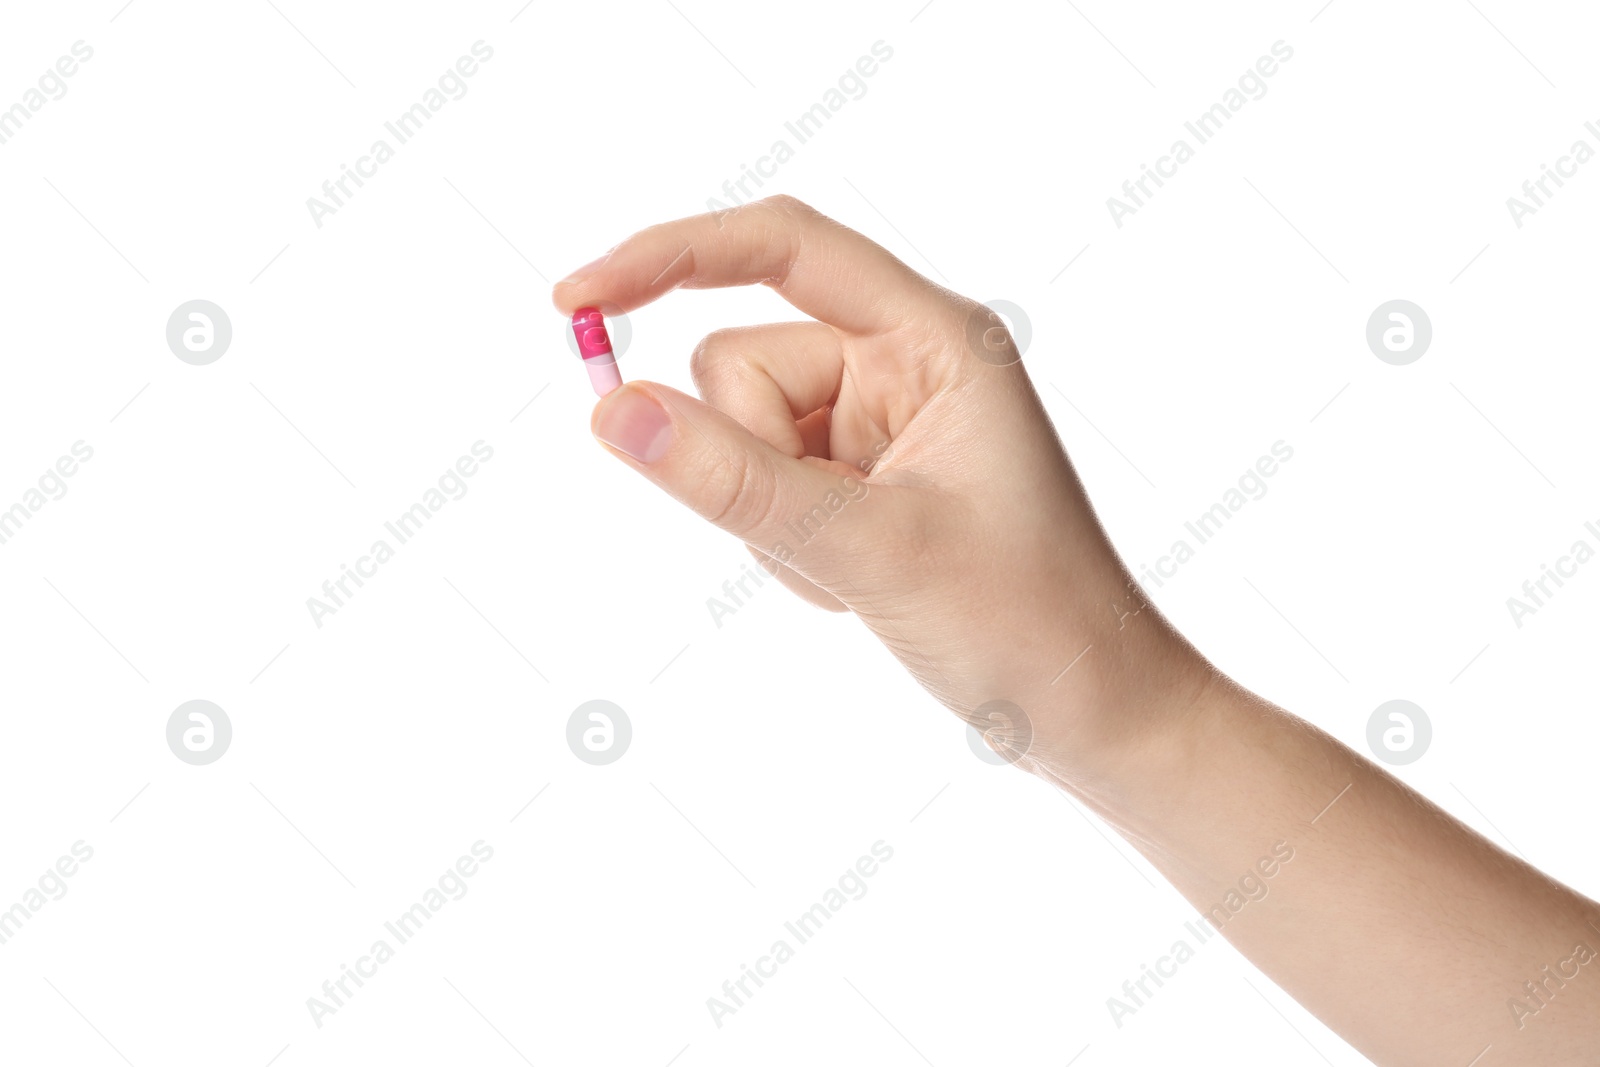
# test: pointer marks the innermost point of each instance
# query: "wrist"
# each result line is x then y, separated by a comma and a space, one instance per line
1123, 726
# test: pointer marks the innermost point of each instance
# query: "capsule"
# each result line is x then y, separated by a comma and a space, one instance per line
594, 345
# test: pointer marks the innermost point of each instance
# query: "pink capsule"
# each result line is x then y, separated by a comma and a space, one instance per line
594, 345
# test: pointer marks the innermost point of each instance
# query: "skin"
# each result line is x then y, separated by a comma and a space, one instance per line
1403, 930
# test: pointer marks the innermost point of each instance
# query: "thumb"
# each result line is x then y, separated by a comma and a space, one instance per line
713, 465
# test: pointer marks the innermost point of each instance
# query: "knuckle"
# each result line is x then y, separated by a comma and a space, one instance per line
737, 493
789, 205
714, 360
701, 361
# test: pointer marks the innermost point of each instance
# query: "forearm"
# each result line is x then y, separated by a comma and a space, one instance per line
971, 550
1404, 931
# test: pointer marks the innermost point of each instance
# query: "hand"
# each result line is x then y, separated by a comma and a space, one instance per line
892, 458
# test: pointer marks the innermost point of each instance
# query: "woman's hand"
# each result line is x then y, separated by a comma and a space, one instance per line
892, 458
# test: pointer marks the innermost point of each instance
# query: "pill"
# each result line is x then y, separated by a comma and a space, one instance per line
594, 345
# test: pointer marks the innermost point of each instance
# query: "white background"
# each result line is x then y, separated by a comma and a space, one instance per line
770, 753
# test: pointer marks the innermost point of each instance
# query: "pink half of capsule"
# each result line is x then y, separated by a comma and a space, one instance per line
594, 345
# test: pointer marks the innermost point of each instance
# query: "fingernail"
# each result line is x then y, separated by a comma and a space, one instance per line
630, 421
584, 271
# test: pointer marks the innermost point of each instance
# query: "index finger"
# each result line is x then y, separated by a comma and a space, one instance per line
827, 270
